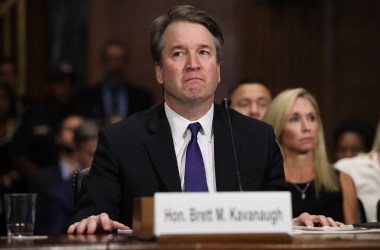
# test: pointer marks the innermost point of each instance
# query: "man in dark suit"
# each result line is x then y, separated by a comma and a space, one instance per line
147, 153
53, 183
114, 98
77, 143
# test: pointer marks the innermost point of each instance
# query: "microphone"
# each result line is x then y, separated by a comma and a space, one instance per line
226, 103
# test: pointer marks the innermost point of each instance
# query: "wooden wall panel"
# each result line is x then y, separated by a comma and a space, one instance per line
38, 48
287, 44
329, 47
284, 42
356, 56
130, 21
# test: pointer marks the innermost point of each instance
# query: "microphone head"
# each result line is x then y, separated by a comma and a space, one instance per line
226, 102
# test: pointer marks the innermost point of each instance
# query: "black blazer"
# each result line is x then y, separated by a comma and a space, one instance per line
136, 158
91, 102
54, 200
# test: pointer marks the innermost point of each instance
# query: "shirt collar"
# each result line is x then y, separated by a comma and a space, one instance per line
65, 170
179, 124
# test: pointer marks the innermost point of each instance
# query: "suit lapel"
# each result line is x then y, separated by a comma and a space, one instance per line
161, 150
225, 171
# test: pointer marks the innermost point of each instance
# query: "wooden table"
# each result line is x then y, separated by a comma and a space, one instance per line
305, 241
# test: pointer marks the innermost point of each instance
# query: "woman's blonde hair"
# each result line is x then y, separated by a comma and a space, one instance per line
324, 175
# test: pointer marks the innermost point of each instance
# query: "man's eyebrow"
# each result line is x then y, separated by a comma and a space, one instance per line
202, 46
177, 47
264, 98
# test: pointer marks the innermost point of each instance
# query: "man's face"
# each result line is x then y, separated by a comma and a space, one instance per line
8, 74
251, 99
189, 71
86, 151
63, 91
114, 59
65, 137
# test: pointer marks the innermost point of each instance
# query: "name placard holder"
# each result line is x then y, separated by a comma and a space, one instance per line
223, 216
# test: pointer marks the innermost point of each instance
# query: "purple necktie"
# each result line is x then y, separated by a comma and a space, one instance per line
195, 176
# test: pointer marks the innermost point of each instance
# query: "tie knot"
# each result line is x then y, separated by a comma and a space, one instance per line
194, 128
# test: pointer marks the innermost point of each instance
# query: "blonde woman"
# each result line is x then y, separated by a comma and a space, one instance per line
364, 169
316, 188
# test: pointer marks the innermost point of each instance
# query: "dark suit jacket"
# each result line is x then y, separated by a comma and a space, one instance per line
54, 201
91, 103
136, 158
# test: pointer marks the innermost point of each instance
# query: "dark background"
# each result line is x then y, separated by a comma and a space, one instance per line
329, 47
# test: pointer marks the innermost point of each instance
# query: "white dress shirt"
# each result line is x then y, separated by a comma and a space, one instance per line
181, 138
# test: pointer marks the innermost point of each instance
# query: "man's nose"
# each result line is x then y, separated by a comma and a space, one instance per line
254, 108
192, 62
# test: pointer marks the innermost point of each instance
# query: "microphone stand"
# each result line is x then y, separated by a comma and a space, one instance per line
226, 103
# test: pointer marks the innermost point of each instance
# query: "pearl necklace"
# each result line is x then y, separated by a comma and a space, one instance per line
302, 191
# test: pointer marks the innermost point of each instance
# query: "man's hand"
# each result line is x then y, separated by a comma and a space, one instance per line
309, 220
96, 223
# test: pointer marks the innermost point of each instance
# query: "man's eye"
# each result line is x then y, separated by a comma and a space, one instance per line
243, 104
263, 104
178, 53
204, 52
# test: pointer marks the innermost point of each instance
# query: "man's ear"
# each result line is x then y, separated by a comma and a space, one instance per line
219, 78
158, 70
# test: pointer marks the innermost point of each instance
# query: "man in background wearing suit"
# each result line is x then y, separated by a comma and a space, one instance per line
57, 177
147, 152
251, 97
114, 98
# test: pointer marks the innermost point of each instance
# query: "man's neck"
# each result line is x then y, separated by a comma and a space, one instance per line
191, 111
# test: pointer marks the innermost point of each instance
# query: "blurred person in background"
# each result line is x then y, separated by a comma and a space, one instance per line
34, 146
86, 138
10, 178
114, 98
10, 123
77, 141
251, 97
8, 73
364, 169
316, 188
146, 153
351, 137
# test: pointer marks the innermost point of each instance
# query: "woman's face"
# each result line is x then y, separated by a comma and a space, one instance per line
301, 127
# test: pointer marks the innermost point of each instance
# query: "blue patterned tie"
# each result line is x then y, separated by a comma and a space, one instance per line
195, 176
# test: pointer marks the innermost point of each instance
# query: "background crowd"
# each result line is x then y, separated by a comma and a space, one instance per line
42, 144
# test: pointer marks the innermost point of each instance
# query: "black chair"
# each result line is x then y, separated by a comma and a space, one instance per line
378, 210
77, 182
361, 212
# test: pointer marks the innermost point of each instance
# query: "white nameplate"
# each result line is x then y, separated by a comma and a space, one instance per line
222, 213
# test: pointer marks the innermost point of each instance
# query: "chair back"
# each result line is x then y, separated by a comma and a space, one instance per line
77, 182
361, 211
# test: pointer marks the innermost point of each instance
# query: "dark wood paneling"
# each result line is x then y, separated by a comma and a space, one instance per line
356, 60
130, 21
38, 48
330, 47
